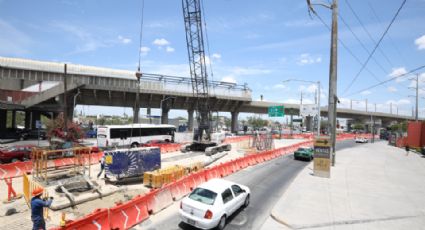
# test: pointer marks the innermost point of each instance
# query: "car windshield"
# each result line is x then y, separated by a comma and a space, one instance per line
302, 149
203, 195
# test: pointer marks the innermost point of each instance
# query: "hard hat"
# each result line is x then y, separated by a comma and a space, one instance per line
37, 191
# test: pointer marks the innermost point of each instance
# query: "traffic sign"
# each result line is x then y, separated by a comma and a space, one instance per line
322, 157
276, 111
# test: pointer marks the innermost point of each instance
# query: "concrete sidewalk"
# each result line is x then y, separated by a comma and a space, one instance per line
373, 186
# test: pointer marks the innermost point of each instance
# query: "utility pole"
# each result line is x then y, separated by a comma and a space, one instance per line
391, 108
333, 78
333, 96
417, 94
318, 108
65, 114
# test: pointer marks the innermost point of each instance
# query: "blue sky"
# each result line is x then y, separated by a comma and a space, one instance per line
260, 43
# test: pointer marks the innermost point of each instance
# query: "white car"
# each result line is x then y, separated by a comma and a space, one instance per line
211, 203
361, 140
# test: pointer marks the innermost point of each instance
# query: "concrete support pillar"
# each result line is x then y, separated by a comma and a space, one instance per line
136, 111
308, 123
27, 119
70, 111
3, 120
190, 120
149, 113
234, 124
36, 115
14, 119
164, 115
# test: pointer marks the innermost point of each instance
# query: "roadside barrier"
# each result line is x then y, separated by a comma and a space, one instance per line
180, 188
125, 216
18, 169
159, 199
98, 219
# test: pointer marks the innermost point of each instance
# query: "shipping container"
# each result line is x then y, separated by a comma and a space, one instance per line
414, 134
124, 163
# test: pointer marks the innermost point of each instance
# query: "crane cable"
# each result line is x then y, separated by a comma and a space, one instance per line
141, 34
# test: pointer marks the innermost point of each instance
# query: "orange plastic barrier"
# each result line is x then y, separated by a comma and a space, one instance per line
99, 219
124, 216
159, 199
180, 188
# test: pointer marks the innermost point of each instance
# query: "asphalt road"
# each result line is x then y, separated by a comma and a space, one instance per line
267, 182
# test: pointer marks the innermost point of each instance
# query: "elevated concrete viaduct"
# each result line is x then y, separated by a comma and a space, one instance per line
89, 85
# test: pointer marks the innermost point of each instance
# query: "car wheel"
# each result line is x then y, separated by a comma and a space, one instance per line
246, 201
311, 158
222, 223
135, 145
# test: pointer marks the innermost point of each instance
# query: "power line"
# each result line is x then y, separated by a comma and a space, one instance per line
349, 51
367, 32
208, 42
361, 43
390, 38
391, 79
376, 46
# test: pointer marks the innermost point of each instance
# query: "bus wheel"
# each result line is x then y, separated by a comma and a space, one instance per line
135, 145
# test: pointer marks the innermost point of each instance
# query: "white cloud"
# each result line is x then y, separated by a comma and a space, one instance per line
306, 58
396, 72
216, 56
399, 102
279, 86
249, 71
87, 41
366, 92
12, 40
420, 42
169, 49
144, 50
230, 79
310, 89
160, 42
124, 40
392, 89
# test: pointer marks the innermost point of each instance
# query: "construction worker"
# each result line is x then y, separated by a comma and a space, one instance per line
37, 205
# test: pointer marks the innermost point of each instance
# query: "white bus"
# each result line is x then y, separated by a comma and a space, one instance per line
133, 135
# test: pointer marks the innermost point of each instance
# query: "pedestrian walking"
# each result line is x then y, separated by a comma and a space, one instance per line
37, 205
407, 150
102, 167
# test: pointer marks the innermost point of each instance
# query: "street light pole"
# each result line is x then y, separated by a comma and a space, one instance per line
318, 100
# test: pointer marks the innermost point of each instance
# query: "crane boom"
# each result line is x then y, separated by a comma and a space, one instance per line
198, 70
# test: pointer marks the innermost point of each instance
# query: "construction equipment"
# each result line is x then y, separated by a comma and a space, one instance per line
198, 72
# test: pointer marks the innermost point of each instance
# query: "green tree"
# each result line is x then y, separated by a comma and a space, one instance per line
257, 122
358, 126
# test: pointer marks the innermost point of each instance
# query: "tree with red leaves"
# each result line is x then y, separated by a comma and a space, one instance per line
56, 129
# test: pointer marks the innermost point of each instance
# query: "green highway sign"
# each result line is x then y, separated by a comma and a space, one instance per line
276, 111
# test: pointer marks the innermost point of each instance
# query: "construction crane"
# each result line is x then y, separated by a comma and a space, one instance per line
198, 72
